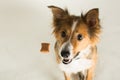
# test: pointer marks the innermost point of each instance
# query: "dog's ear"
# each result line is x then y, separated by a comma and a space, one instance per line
92, 20
91, 17
58, 13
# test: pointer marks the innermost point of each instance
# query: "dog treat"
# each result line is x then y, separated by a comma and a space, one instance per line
45, 47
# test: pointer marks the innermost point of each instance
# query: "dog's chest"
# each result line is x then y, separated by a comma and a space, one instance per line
79, 76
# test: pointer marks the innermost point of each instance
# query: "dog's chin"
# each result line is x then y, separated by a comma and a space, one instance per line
66, 61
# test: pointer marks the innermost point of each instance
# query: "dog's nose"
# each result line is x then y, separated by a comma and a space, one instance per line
65, 54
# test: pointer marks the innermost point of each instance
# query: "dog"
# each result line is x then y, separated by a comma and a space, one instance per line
76, 39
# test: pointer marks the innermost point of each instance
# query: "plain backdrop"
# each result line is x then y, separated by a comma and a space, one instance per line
25, 24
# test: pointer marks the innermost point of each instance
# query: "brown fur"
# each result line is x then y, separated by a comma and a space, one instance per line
87, 25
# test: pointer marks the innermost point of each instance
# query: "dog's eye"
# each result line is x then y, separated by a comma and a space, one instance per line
63, 34
79, 37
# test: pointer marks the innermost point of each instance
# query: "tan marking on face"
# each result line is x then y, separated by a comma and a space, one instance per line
79, 45
67, 29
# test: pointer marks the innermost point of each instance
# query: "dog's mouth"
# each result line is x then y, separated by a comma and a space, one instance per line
67, 61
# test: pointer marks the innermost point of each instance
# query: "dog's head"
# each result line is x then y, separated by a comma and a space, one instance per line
74, 34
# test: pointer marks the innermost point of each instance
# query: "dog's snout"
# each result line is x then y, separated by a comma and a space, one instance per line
65, 54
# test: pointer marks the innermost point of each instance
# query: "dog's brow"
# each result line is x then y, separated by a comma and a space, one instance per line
74, 25
73, 28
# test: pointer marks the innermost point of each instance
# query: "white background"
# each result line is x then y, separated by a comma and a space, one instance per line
24, 24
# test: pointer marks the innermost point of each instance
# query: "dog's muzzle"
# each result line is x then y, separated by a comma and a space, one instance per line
65, 55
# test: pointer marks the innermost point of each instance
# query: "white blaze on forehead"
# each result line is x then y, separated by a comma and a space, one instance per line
74, 25
73, 28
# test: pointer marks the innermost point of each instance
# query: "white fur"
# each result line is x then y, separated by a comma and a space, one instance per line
84, 52
77, 65
74, 25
